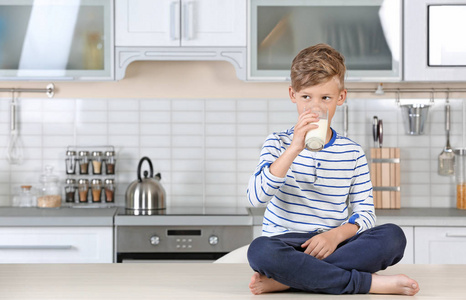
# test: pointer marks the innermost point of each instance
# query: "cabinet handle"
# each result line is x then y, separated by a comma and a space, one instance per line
455, 235
174, 20
35, 247
188, 20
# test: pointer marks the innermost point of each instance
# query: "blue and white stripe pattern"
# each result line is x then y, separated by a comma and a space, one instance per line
322, 190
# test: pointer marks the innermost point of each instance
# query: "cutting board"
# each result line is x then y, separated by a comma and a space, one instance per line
385, 177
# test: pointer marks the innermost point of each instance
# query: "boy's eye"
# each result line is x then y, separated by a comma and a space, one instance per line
326, 98
305, 97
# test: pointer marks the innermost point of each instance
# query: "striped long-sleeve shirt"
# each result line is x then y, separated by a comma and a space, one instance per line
321, 190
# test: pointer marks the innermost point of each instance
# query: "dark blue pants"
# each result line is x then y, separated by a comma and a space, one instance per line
347, 270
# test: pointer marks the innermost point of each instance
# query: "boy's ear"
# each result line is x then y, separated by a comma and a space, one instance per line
292, 94
342, 97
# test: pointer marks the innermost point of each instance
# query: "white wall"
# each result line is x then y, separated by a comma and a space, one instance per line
203, 129
206, 149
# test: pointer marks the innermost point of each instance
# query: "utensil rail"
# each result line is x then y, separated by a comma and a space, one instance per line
49, 90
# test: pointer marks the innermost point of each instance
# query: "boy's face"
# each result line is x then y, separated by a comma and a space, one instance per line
326, 94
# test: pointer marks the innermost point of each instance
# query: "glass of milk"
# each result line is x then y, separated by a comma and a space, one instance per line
315, 138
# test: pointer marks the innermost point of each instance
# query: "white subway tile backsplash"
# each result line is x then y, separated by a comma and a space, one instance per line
91, 117
207, 149
220, 129
220, 117
123, 116
155, 117
155, 105
220, 105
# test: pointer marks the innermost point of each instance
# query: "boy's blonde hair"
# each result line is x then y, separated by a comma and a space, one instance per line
316, 65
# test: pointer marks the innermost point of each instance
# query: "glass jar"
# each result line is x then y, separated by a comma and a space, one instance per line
96, 186
109, 190
97, 162
83, 188
70, 190
83, 162
460, 177
25, 198
70, 162
50, 193
110, 162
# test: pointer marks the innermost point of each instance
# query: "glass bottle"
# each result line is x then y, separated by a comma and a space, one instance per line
110, 162
96, 186
83, 162
50, 194
83, 188
97, 162
70, 190
109, 190
460, 177
25, 198
70, 162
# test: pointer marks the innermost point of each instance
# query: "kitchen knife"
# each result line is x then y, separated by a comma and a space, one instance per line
380, 133
375, 131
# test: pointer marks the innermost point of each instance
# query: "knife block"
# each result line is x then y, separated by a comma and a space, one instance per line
385, 177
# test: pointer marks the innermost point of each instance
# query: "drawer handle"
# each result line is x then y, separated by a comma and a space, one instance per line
455, 235
35, 247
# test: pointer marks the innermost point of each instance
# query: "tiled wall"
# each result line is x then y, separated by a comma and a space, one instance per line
207, 149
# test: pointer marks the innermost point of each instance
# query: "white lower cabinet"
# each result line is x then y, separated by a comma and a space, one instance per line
440, 245
408, 257
56, 245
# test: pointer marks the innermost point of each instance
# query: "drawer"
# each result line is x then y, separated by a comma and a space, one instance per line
56, 245
440, 245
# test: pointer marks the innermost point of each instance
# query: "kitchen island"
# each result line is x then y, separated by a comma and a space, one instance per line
189, 281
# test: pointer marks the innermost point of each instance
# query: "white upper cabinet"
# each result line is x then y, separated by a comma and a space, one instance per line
434, 47
56, 40
159, 23
367, 32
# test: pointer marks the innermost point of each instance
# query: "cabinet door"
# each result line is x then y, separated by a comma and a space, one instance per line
408, 257
56, 245
213, 23
440, 245
147, 23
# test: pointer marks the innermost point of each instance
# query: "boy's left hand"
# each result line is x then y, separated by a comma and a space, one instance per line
322, 245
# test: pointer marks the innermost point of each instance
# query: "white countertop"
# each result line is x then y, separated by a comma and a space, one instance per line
62, 216
189, 281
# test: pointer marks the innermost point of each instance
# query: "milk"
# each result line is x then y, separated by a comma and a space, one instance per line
315, 138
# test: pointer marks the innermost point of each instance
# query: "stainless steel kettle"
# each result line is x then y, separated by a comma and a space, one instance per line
145, 194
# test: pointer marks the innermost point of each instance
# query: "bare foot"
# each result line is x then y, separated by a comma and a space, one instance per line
261, 284
393, 284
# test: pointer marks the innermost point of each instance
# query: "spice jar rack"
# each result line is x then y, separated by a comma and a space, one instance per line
90, 174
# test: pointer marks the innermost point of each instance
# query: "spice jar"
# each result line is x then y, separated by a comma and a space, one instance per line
96, 186
50, 194
70, 162
460, 177
83, 188
109, 190
110, 162
97, 162
70, 190
83, 162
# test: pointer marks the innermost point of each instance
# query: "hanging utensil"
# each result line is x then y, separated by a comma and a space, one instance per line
14, 153
446, 159
380, 133
375, 131
345, 120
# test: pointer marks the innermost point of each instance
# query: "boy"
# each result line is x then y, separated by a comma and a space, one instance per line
318, 228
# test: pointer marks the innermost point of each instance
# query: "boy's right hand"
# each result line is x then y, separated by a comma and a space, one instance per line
302, 127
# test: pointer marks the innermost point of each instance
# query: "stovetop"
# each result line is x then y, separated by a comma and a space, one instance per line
186, 211
185, 216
